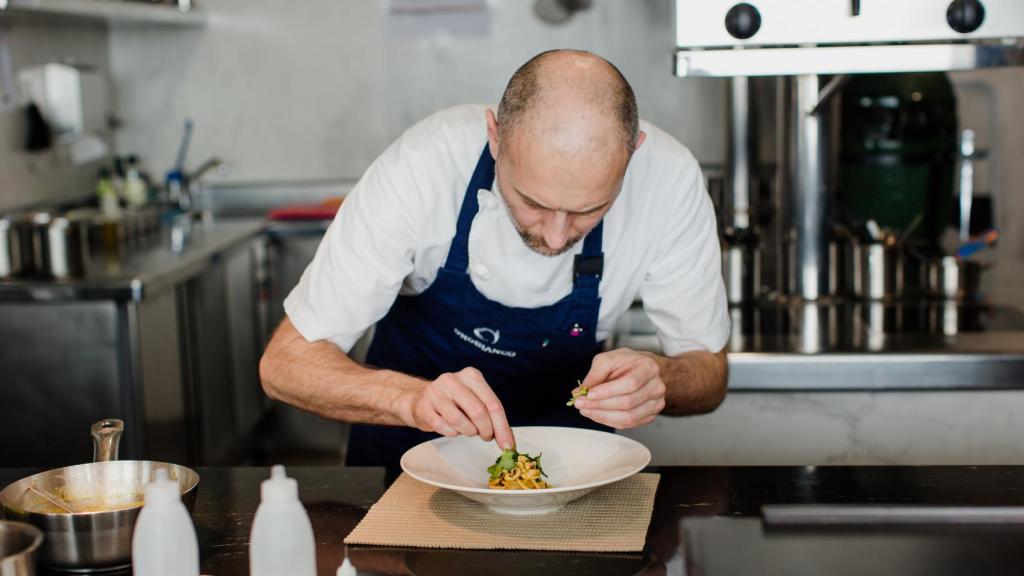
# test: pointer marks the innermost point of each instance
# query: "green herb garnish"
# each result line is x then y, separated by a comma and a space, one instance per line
507, 462
580, 391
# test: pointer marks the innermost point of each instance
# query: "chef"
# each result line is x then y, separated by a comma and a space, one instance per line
495, 251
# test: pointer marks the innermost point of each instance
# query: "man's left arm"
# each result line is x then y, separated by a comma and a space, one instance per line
627, 388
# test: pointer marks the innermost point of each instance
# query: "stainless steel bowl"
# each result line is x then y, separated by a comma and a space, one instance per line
19, 543
106, 497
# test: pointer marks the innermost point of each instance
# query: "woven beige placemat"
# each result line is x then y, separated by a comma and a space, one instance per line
610, 519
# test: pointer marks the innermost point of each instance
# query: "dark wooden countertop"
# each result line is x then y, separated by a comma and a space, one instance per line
337, 498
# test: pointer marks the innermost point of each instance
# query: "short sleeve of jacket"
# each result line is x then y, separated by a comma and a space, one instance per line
682, 291
368, 249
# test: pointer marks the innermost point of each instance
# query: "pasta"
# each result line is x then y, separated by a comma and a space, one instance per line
515, 471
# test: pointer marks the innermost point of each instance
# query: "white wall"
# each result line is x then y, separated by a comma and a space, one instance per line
27, 179
315, 89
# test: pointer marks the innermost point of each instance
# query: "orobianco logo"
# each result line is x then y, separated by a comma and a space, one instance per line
485, 339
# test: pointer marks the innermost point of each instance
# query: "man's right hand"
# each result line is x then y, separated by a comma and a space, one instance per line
460, 403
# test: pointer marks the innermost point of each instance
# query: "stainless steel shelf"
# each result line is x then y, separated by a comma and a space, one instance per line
858, 346
110, 11
140, 274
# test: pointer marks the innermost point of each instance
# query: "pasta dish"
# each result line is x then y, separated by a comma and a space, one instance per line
515, 471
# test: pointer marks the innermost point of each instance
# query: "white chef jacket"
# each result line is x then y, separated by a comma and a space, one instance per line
393, 231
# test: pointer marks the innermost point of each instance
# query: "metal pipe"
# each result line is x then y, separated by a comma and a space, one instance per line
809, 206
738, 176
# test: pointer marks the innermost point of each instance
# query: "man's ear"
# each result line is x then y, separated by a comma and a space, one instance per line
640, 137
492, 133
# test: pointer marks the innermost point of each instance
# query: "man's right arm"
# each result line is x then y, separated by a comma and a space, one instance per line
319, 377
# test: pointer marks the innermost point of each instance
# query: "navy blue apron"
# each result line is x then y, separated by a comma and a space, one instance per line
531, 357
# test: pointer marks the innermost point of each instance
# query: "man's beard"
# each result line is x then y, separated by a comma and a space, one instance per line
538, 245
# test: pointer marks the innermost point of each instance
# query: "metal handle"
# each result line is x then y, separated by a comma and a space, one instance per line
807, 515
106, 437
967, 154
855, 8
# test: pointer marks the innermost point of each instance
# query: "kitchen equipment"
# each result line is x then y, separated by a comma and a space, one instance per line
741, 265
40, 222
325, 210
952, 278
819, 47
834, 278
15, 245
877, 270
68, 246
19, 543
107, 495
576, 462
897, 152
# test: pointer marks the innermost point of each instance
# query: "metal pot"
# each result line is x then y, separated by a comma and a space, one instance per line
18, 545
68, 245
40, 244
950, 278
878, 270
15, 246
107, 496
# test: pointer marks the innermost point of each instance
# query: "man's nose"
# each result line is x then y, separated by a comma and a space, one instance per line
556, 230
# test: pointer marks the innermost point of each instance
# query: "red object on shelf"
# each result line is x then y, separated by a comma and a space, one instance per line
321, 211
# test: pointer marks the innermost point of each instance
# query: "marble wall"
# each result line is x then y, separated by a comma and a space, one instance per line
845, 428
317, 89
37, 178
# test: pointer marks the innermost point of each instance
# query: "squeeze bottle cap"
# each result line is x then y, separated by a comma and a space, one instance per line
162, 490
279, 488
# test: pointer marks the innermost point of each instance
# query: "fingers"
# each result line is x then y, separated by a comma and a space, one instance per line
601, 369
463, 403
500, 430
432, 421
622, 419
624, 393
624, 390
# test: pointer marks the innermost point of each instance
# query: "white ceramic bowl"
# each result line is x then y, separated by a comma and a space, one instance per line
576, 461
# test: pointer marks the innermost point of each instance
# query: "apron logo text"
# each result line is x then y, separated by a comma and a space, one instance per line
479, 332
487, 335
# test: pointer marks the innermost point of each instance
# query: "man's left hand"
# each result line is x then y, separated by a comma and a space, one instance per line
624, 389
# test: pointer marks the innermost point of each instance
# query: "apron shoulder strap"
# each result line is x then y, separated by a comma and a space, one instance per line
588, 266
483, 178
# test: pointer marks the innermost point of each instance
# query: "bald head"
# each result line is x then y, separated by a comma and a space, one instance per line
572, 101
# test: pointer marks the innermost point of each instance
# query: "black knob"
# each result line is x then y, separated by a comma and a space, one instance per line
743, 21
965, 16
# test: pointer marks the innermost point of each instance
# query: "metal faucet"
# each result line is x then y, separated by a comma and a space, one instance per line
212, 163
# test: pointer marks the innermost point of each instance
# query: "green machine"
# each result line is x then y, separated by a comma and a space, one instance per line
898, 153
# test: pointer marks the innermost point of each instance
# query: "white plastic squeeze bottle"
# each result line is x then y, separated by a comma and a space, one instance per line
164, 542
346, 569
281, 541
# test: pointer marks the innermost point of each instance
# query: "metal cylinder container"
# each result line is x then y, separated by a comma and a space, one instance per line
949, 278
15, 246
878, 271
40, 262
68, 248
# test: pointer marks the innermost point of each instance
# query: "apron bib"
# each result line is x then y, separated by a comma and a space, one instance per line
531, 357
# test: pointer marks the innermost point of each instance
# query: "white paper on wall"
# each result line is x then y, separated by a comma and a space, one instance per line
411, 19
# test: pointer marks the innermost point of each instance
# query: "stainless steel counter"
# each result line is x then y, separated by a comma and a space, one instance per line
166, 340
142, 271
856, 346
